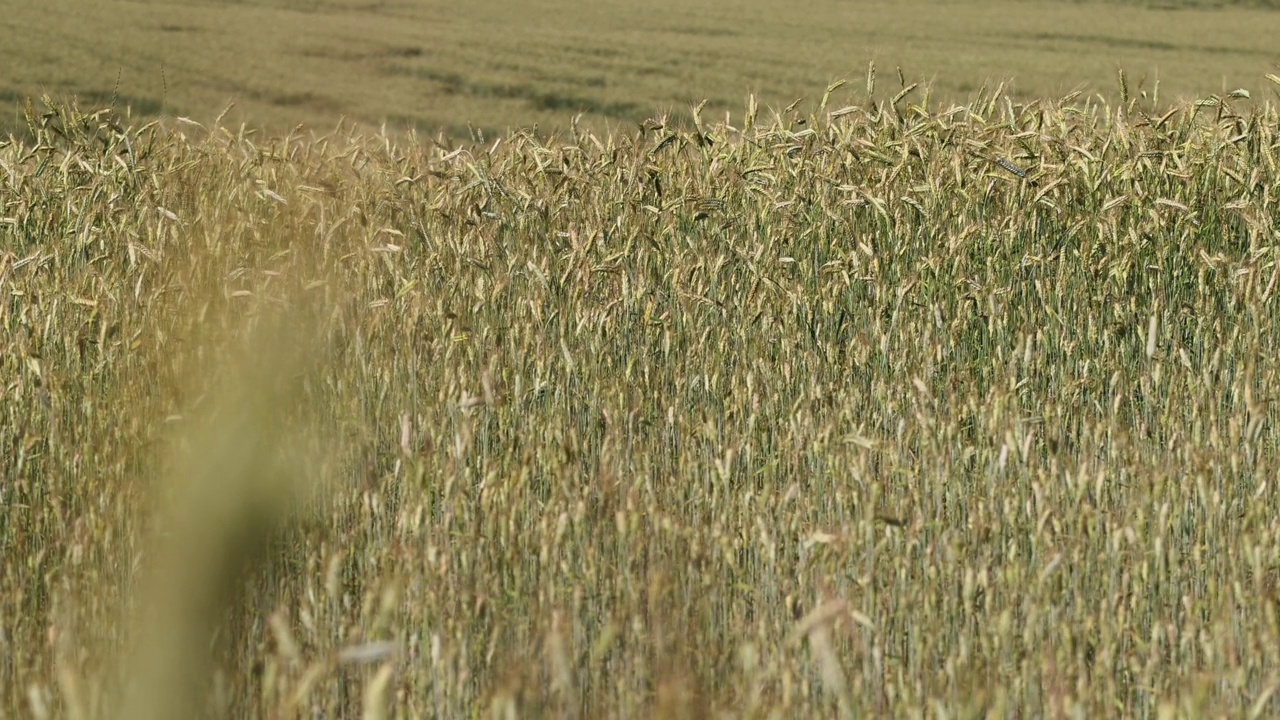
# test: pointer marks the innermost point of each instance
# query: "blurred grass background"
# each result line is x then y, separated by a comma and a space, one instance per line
445, 66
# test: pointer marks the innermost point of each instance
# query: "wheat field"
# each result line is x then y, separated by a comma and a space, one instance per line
866, 407
492, 67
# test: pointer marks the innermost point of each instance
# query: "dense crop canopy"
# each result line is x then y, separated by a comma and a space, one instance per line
878, 408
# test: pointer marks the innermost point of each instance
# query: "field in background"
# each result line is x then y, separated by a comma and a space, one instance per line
883, 413
435, 65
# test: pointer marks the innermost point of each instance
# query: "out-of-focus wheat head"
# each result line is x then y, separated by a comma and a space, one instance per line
232, 485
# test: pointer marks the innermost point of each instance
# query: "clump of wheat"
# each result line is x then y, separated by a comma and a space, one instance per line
819, 416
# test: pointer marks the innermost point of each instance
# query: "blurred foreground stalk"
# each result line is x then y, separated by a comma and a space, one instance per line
230, 492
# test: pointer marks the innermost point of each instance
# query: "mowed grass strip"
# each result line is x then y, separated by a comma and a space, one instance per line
434, 66
884, 412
